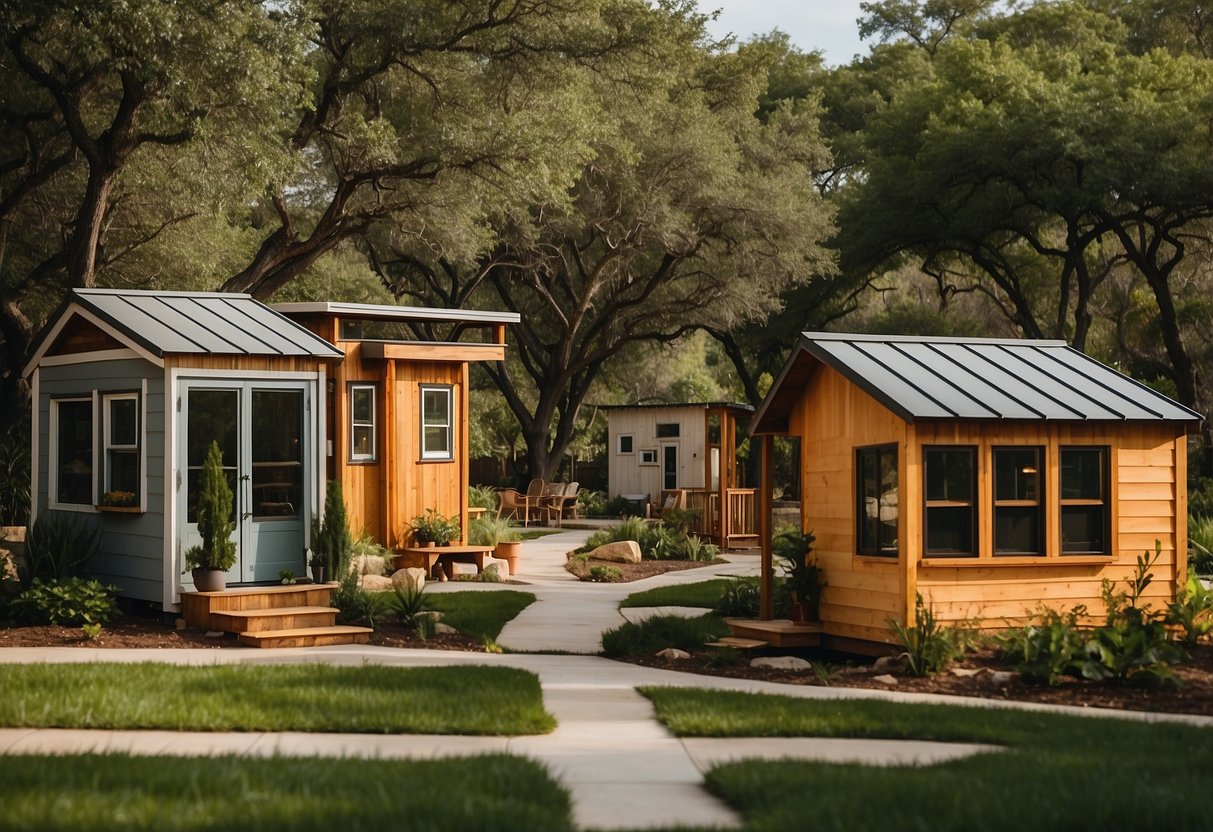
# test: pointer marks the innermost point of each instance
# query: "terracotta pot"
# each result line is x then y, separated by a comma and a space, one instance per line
508, 551
209, 580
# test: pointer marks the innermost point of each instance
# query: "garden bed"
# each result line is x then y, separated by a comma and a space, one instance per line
635, 571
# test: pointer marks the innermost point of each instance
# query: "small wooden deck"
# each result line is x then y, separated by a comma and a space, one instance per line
777, 632
291, 615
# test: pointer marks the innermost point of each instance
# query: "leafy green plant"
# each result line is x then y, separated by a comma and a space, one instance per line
591, 503
215, 526
491, 528
619, 507
68, 602
59, 544
696, 549
603, 574
680, 519
739, 599
354, 604
434, 527
332, 542
1200, 544
659, 542
1192, 611
801, 574
660, 632
1050, 647
92, 632
482, 496
14, 479
407, 605
927, 646
724, 657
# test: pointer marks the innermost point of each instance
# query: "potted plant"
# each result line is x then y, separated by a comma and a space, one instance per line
491, 529
433, 528
802, 575
317, 564
210, 560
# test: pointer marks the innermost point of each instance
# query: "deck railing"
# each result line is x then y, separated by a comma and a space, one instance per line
738, 524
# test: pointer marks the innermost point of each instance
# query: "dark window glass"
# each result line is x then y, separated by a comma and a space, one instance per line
1084, 502
1018, 510
625, 443
362, 422
950, 500
74, 480
667, 430
877, 500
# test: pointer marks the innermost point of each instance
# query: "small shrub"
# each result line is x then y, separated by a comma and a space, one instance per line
354, 604
59, 545
661, 632
407, 606
1048, 648
482, 496
1200, 544
740, 599
1192, 611
214, 511
14, 479
491, 528
696, 549
928, 647
619, 507
591, 503
68, 602
724, 657
600, 574
658, 542
332, 542
680, 519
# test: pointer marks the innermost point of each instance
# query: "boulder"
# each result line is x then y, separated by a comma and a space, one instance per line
673, 653
441, 629
375, 583
782, 663
965, 672
412, 578
886, 663
369, 565
886, 679
499, 568
621, 551
1001, 677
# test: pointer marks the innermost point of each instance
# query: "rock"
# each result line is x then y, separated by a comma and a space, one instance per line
179, 624
965, 672
673, 653
375, 583
214, 634
621, 551
886, 663
441, 629
1001, 677
499, 568
885, 679
782, 663
412, 578
369, 565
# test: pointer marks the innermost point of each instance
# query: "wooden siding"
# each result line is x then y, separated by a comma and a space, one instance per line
1147, 493
625, 474
132, 547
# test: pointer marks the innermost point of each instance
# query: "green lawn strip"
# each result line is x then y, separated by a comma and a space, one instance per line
533, 534
698, 594
369, 699
166, 794
479, 614
661, 631
1057, 772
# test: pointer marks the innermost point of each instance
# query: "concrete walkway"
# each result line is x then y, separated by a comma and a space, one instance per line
623, 769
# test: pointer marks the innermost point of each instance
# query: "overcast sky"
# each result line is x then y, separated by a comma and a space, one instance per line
826, 25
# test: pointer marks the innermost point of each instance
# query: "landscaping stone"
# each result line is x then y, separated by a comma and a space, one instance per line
369, 565
1001, 677
441, 629
411, 578
885, 679
886, 663
499, 568
782, 663
621, 551
375, 583
673, 653
965, 672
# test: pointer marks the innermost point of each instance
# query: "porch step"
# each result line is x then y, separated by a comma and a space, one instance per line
308, 636
275, 618
778, 632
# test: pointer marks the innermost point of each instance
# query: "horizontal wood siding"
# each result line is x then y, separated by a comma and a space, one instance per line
132, 546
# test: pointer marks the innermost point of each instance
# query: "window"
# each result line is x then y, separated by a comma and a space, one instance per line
120, 436
648, 456
71, 452
876, 495
362, 423
951, 503
1018, 506
436, 423
1084, 501
626, 443
667, 430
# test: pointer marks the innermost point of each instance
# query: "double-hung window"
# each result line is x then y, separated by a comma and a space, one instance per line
437, 439
1084, 501
1018, 501
71, 452
362, 423
877, 500
951, 501
120, 435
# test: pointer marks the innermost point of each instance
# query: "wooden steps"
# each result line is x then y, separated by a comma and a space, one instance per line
777, 632
293, 615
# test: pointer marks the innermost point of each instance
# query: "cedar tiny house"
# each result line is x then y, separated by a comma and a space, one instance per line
991, 476
686, 450
397, 407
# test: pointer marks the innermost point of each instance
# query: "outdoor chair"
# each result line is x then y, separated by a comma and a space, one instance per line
559, 501
515, 504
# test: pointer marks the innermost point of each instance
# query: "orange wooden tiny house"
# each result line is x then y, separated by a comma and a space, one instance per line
990, 476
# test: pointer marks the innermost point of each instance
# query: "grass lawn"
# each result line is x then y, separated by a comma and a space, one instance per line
171, 794
297, 697
1058, 772
479, 614
699, 594
662, 631
535, 534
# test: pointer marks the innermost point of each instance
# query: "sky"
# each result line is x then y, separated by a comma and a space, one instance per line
825, 25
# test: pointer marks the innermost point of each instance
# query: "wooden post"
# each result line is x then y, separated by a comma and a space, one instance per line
766, 571
388, 464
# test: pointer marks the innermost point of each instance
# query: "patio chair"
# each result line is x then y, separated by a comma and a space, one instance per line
514, 504
560, 501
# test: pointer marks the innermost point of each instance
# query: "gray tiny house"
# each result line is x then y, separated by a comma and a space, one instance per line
130, 388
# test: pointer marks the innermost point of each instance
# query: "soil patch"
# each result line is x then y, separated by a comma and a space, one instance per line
635, 571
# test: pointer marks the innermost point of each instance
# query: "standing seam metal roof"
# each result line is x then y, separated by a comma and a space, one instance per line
986, 378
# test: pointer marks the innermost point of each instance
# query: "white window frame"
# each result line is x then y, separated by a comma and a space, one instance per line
619, 444
52, 480
107, 445
648, 456
449, 452
374, 427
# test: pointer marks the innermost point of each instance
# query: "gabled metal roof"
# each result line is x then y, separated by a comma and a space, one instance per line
972, 378
214, 323
399, 313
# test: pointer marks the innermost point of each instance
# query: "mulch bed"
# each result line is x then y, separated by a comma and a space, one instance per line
636, 571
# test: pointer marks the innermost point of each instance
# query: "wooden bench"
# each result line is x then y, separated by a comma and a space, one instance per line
426, 556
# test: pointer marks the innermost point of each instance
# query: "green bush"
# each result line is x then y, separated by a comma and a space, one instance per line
14, 479
619, 507
59, 545
1200, 544
68, 602
660, 632
354, 604
601, 574
696, 549
482, 496
332, 543
407, 606
928, 647
1048, 648
591, 503
491, 528
739, 599
658, 542
1192, 611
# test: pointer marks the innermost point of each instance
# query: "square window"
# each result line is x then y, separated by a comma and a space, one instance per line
436, 423
626, 443
648, 456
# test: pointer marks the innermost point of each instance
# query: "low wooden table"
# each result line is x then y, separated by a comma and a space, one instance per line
427, 556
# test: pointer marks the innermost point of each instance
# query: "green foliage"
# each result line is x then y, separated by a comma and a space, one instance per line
681, 520
332, 541
619, 507
479, 614
482, 496
215, 526
660, 632
59, 545
1200, 544
434, 527
697, 594
1192, 612
14, 479
68, 602
591, 503
801, 575
740, 598
928, 647
657, 542
603, 574
697, 549
491, 528
1047, 648
407, 606
354, 604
